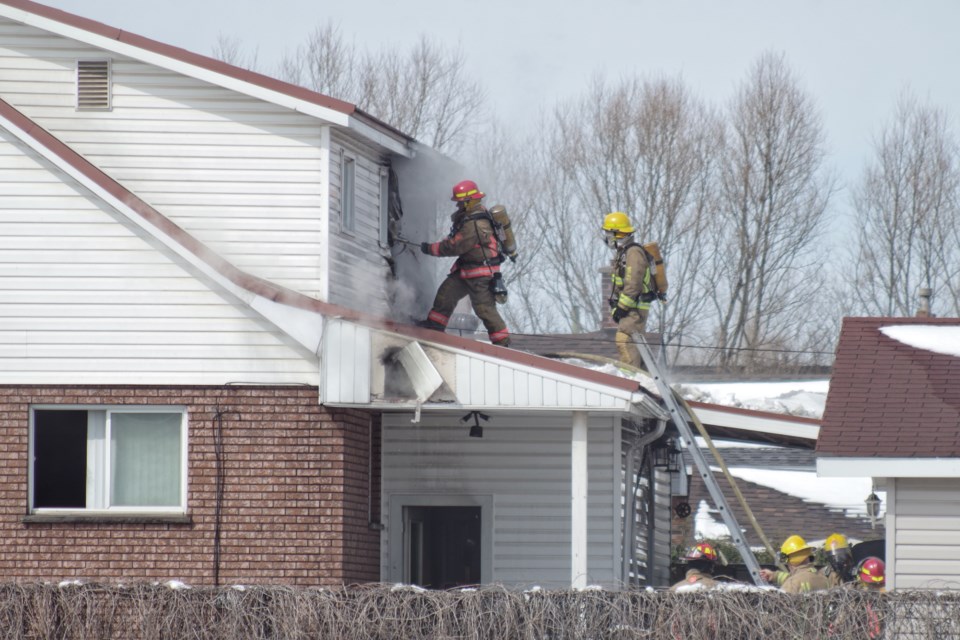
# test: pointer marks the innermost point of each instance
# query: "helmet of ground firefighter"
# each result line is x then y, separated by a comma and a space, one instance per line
838, 551
702, 551
466, 190
872, 571
796, 550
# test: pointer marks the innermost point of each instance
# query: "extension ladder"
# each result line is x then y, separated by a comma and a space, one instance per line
682, 419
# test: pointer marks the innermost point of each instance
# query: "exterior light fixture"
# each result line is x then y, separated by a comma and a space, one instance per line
476, 431
667, 455
873, 508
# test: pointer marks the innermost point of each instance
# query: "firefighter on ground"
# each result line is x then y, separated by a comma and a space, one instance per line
871, 574
632, 290
840, 569
472, 240
802, 576
702, 560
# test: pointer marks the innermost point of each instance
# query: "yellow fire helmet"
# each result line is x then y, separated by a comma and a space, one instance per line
618, 222
796, 550
835, 542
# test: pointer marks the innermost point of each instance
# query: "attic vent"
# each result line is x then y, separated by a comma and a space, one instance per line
93, 85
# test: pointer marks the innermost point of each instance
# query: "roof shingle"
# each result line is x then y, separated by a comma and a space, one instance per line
891, 399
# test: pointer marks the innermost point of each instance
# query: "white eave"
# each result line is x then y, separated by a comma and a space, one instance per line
756, 422
831, 467
354, 373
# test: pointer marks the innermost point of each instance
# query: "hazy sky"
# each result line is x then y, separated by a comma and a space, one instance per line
853, 56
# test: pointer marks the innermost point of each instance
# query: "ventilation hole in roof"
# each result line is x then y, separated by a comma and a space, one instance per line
93, 84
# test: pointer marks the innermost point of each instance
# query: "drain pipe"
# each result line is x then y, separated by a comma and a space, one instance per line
630, 497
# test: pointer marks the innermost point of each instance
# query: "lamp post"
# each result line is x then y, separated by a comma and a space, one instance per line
873, 508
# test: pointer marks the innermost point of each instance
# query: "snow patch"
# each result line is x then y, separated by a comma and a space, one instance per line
805, 398
935, 338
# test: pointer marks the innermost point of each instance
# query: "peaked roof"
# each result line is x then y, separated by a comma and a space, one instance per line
890, 399
241, 283
210, 69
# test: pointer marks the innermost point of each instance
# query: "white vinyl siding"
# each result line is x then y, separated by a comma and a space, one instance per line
242, 175
523, 463
83, 298
925, 524
359, 273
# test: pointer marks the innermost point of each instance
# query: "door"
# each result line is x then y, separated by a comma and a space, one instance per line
442, 546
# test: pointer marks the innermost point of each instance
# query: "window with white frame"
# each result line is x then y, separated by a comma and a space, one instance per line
348, 186
384, 206
119, 459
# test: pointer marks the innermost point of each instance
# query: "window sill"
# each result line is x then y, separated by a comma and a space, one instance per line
105, 518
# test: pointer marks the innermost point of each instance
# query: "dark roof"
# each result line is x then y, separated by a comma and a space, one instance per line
783, 458
889, 399
572, 345
781, 515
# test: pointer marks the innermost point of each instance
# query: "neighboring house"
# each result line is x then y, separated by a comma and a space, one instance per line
769, 478
893, 414
188, 388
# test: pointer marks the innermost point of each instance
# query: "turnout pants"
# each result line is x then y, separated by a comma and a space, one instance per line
453, 289
633, 322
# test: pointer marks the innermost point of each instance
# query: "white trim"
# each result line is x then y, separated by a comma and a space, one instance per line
761, 424
888, 467
579, 471
890, 527
323, 259
328, 114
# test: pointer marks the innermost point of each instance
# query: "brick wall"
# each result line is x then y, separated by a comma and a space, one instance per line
295, 508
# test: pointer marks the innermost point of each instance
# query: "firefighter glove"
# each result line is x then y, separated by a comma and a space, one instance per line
425, 247
619, 313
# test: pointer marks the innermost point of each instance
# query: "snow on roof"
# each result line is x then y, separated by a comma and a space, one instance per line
936, 338
804, 398
841, 494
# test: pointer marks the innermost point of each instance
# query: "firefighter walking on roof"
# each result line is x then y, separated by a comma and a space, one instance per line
476, 272
634, 287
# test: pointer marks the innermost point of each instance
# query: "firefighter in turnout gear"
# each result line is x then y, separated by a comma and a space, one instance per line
473, 241
702, 559
632, 290
802, 576
840, 569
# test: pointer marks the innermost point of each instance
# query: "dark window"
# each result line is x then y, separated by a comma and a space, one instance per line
444, 546
60, 460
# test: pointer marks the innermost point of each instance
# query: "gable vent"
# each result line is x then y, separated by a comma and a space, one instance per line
93, 85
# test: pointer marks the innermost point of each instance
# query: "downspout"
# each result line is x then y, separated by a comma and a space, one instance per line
630, 489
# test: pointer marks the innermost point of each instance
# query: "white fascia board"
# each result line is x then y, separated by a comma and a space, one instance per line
380, 138
888, 467
758, 424
327, 114
294, 322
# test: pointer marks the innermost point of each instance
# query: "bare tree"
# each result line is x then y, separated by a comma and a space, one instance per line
230, 50
770, 212
641, 146
907, 214
426, 92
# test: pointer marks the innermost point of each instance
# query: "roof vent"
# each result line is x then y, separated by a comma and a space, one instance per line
93, 85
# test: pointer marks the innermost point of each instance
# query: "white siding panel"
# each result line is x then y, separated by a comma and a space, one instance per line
926, 522
523, 462
84, 298
203, 155
358, 268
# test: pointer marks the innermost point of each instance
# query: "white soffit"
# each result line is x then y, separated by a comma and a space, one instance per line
757, 424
